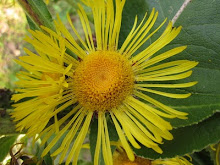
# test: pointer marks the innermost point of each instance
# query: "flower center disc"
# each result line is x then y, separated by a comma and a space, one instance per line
103, 80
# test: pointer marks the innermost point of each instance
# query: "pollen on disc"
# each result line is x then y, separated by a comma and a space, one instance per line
103, 80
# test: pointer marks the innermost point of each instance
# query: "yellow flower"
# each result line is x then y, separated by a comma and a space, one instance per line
47, 1
41, 86
103, 80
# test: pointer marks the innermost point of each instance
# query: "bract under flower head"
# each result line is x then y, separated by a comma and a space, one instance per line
103, 80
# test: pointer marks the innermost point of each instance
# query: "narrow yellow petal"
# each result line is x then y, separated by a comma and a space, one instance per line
67, 104
154, 128
117, 24
183, 85
163, 40
159, 58
135, 130
142, 32
77, 34
99, 140
122, 138
137, 46
162, 66
74, 46
145, 110
133, 32
160, 105
169, 71
171, 95
86, 27
166, 78
70, 135
129, 135
79, 140
108, 146
58, 136
66, 144
104, 147
109, 23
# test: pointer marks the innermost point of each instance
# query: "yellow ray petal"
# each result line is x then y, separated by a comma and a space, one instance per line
169, 71
183, 85
134, 35
58, 136
138, 45
86, 27
74, 152
70, 135
138, 134
77, 34
145, 110
74, 46
99, 139
122, 138
166, 78
117, 24
108, 146
156, 131
158, 58
171, 95
160, 105
129, 135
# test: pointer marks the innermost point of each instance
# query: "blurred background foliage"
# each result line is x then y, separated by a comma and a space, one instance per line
12, 31
13, 28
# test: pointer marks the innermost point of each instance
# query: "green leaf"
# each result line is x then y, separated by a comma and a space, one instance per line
167, 9
38, 13
201, 34
31, 24
5, 144
187, 139
132, 8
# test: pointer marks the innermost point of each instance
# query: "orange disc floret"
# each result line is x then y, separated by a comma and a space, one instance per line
103, 80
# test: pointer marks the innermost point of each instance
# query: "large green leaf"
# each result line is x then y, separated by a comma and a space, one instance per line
201, 33
5, 144
187, 139
132, 8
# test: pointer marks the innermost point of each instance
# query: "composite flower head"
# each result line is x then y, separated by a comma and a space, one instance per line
103, 79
